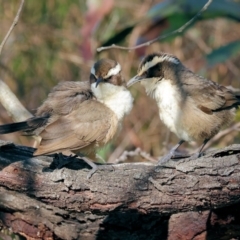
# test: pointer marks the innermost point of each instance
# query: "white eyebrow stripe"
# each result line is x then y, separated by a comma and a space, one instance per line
113, 71
156, 60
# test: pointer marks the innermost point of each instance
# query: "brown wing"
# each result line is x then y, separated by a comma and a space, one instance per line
90, 122
208, 95
65, 97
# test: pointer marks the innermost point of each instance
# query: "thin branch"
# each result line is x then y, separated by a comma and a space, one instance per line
137, 152
235, 127
179, 30
7, 98
12, 105
15, 21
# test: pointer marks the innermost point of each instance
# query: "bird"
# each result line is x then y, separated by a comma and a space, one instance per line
191, 106
80, 116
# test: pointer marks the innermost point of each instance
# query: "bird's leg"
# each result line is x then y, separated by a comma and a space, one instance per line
94, 166
202, 147
199, 153
91, 164
170, 154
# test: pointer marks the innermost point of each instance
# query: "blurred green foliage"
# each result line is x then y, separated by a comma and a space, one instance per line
223, 53
177, 13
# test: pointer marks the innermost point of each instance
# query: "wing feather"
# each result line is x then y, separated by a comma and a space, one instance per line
208, 95
90, 123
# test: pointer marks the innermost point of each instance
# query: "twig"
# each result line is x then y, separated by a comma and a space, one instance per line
235, 127
179, 30
15, 21
136, 152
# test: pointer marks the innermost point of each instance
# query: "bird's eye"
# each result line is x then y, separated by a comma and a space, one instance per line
153, 71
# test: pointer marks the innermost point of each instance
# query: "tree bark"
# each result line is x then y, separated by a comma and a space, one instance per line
184, 199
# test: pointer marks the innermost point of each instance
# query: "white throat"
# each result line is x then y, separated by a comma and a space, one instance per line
168, 98
117, 98
150, 86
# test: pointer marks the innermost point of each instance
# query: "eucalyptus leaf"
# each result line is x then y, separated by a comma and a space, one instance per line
223, 53
179, 12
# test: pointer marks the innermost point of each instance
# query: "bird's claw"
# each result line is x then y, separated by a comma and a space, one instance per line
165, 158
98, 167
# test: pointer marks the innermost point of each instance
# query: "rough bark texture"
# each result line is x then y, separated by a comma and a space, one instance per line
185, 199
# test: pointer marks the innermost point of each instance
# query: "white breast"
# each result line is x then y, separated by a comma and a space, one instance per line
168, 100
117, 98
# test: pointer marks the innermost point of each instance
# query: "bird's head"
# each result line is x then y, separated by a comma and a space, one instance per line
154, 67
106, 71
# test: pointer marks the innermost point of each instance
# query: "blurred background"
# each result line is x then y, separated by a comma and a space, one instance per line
56, 41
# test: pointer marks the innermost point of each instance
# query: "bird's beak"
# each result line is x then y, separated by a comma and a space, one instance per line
135, 80
100, 79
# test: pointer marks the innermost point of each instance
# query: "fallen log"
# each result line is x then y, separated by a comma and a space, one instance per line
124, 201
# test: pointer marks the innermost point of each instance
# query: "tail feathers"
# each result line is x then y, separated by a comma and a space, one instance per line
28, 126
13, 127
231, 101
236, 103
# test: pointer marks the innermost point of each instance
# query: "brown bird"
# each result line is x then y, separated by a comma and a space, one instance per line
79, 117
192, 107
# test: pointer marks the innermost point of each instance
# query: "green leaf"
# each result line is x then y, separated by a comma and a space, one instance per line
118, 37
227, 8
177, 13
223, 53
